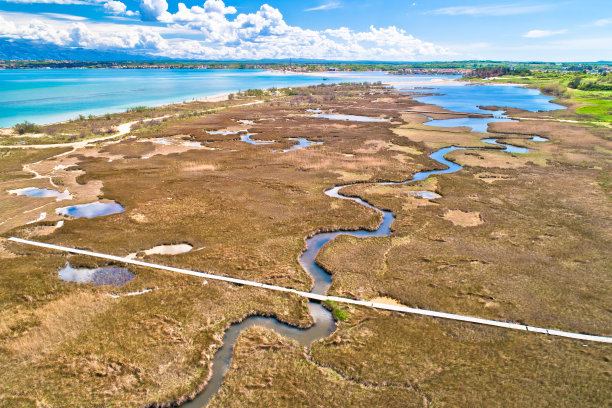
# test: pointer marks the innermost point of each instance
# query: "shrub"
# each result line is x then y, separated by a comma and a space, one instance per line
574, 83
26, 127
137, 109
254, 92
553, 88
338, 313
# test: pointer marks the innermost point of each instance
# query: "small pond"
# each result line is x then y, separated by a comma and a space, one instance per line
430, 195
108, 275
301, 144
247, 138
476, 124
41, 192
90, 210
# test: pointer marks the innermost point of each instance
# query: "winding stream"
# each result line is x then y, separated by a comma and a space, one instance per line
324, 324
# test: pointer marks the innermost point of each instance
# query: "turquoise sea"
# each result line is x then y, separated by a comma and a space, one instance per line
52, 95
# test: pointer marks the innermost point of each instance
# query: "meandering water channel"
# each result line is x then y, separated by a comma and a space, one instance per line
324, 324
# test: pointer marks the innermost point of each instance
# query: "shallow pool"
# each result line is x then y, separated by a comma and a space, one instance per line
247, 138
108, 275
41, 192
90, 210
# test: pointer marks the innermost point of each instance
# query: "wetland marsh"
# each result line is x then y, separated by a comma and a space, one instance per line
401, 224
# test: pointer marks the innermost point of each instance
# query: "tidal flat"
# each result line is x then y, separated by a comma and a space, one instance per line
539, 255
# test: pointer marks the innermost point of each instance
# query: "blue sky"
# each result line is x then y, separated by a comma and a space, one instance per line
390, 30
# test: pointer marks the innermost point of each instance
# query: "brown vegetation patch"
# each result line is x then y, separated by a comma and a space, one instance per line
435, 138
497, 159
493, 177
455, 364
541, 258
463, 218
268, 370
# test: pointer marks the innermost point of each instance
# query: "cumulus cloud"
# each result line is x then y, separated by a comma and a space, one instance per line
81, 35
265, 34
151, 10
215, 30
211, 19
542, 33
118, 8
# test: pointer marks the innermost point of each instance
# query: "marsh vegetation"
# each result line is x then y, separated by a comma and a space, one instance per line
524, 248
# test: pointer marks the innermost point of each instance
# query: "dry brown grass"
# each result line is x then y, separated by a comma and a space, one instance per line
277, 372
463, 218
542, 257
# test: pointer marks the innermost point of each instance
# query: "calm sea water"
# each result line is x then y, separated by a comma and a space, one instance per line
51, 95
468, 98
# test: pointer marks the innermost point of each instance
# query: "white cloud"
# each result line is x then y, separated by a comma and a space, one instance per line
78, 34
326, 6
265, 34
118, 8
115, 7
603, 22
150, 10
492, 10
542, 33
215, 30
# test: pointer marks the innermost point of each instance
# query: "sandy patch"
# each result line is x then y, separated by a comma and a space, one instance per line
463, 218
385, 100
139, 218
199, 167
213, 98
386, 301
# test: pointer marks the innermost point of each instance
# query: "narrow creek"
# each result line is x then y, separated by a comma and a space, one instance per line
324, 324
